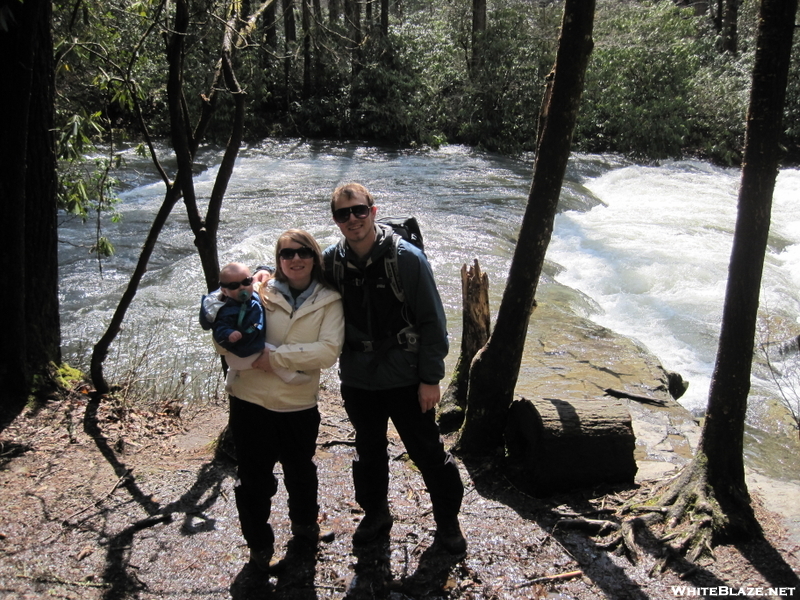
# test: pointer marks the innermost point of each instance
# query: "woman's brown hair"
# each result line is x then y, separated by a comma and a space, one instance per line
304, 239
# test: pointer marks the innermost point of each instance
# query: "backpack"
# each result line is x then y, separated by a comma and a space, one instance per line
405, 228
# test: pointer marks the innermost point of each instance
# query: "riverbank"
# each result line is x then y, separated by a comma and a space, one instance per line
579, 360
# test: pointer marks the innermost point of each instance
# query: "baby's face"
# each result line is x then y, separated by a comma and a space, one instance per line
232, 283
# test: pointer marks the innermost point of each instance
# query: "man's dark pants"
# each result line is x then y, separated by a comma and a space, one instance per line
369, 412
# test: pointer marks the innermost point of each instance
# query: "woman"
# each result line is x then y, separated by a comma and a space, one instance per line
271, 420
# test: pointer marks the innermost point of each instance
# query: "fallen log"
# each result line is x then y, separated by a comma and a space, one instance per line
558, 445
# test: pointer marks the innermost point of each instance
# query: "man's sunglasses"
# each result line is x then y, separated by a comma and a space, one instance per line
342, 215
235, 285
289, 253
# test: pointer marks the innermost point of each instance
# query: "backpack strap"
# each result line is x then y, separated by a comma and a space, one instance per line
393, 270
337, 265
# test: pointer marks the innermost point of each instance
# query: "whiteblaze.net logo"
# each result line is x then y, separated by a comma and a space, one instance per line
706, 592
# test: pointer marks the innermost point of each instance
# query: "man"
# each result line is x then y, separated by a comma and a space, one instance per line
391, 364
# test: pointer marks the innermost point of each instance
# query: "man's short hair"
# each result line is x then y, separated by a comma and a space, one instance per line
348, 190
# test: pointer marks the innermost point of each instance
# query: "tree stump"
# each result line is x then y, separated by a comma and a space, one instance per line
476, 326
558, 445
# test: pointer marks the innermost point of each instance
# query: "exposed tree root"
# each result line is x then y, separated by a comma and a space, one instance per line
695, 517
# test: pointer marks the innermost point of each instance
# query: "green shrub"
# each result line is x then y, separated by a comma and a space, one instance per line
637, 98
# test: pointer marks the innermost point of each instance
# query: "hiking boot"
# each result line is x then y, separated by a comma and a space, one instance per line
313, 533
263, 560
372, 525
450, 536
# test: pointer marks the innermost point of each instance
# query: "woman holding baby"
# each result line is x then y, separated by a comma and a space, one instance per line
274, 420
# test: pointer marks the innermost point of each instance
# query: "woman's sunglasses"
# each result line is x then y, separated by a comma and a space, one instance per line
235, 285
342, 215
289, 253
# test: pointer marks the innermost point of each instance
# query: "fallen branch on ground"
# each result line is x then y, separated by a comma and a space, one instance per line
548, 578
600, 525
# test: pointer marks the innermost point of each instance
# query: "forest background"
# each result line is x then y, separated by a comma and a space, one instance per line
663, 80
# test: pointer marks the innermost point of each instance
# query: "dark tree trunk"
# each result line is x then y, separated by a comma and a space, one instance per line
384, 18
730, 19
41, 248
334, 12
478, 33
352, 14
289, 22
27, 189
717, 12
270, 28
290, 39
722, 440
495, 370
319, 66
307, 43
475, 330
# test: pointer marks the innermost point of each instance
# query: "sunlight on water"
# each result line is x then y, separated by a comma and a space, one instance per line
655, 259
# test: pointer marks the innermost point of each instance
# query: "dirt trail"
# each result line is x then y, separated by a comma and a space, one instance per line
103, 503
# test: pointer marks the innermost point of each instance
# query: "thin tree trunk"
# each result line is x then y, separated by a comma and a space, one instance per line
270, 30
730, 18
478, 33
384, 18
307, 57
722, 439
289, 41
495, 370
334, 12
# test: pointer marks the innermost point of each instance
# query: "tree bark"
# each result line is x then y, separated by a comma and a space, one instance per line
478, 33
475, 330
307, 42
730, 18
334, 12
495, 369
384, 18
722, 440
270, 31
27, 190
290, 39
41, 248
717, 14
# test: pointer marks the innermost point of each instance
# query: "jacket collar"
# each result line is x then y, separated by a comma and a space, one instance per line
383, 243
294, 303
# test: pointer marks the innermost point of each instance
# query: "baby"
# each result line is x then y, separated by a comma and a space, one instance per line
238, 323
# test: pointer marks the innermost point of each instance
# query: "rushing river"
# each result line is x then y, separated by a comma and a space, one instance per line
648, 245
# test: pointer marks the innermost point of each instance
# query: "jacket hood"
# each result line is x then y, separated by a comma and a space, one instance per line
277, 294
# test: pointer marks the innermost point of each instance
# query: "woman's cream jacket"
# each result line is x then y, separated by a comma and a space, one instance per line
307, 339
